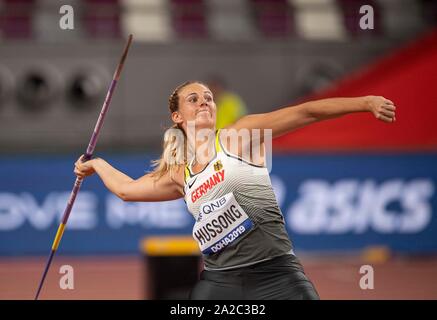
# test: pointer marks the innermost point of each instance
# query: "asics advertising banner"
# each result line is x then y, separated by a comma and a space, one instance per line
329, 202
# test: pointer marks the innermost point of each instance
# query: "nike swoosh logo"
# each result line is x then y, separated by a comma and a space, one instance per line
191, 184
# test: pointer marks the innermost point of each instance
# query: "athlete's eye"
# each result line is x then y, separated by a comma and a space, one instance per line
193, 99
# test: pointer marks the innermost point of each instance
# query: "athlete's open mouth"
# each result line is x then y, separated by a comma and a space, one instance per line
203, 110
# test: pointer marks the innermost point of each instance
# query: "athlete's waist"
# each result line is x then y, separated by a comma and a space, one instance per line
258, 265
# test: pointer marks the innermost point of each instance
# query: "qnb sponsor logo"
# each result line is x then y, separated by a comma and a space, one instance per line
349, 205
211, 182
211, 206
16, 210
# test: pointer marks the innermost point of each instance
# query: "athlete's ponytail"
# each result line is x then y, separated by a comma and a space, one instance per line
174, 152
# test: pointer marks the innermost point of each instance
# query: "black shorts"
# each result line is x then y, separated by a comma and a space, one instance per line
281, 278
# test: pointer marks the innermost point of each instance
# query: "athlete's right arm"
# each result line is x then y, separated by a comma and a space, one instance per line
146, 188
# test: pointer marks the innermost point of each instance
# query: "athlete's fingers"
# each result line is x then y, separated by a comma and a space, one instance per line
82, 166
384, 118
388, 113
81, 159
78, 165
81, 169
78, 173
388, 102
389, 107
78, 162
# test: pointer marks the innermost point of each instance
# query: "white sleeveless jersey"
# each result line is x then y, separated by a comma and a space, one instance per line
238, 220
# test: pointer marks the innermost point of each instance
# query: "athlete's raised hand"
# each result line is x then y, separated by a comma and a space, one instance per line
382, 108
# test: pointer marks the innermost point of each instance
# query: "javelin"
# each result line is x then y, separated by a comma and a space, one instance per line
88, 154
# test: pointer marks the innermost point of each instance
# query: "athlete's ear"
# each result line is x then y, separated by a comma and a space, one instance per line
177, 117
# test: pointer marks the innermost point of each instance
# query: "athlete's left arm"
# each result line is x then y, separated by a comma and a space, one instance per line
293, 117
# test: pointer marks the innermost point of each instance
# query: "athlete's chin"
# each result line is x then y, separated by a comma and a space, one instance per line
205, 123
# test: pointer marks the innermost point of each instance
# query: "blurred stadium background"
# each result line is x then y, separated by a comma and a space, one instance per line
354, 191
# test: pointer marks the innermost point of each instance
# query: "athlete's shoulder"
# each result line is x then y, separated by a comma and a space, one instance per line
177, 175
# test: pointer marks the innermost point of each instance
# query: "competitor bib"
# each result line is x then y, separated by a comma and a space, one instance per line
220, 223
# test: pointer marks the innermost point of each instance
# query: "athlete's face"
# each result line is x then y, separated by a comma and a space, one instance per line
196, 104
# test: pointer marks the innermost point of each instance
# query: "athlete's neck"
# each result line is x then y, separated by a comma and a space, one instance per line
202, 147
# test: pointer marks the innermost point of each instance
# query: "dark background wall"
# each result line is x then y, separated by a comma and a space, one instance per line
266, 75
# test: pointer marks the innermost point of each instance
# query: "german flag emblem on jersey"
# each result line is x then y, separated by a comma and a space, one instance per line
218, 165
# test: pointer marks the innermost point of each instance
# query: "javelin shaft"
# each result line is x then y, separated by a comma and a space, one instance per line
88, 154
116, 77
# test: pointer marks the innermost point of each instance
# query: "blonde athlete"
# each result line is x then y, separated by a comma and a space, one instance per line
239, 226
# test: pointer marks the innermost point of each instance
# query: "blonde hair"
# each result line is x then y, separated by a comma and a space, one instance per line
175, 151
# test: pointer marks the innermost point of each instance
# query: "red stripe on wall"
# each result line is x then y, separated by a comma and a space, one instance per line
409, 78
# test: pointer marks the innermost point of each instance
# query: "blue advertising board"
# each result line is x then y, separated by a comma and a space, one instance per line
330, 202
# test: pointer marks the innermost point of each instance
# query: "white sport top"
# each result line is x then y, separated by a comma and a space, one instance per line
238, 221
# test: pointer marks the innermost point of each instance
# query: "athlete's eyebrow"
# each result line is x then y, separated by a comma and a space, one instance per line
206, 91
191, 94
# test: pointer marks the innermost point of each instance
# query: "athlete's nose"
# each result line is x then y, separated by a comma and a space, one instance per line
203, 102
